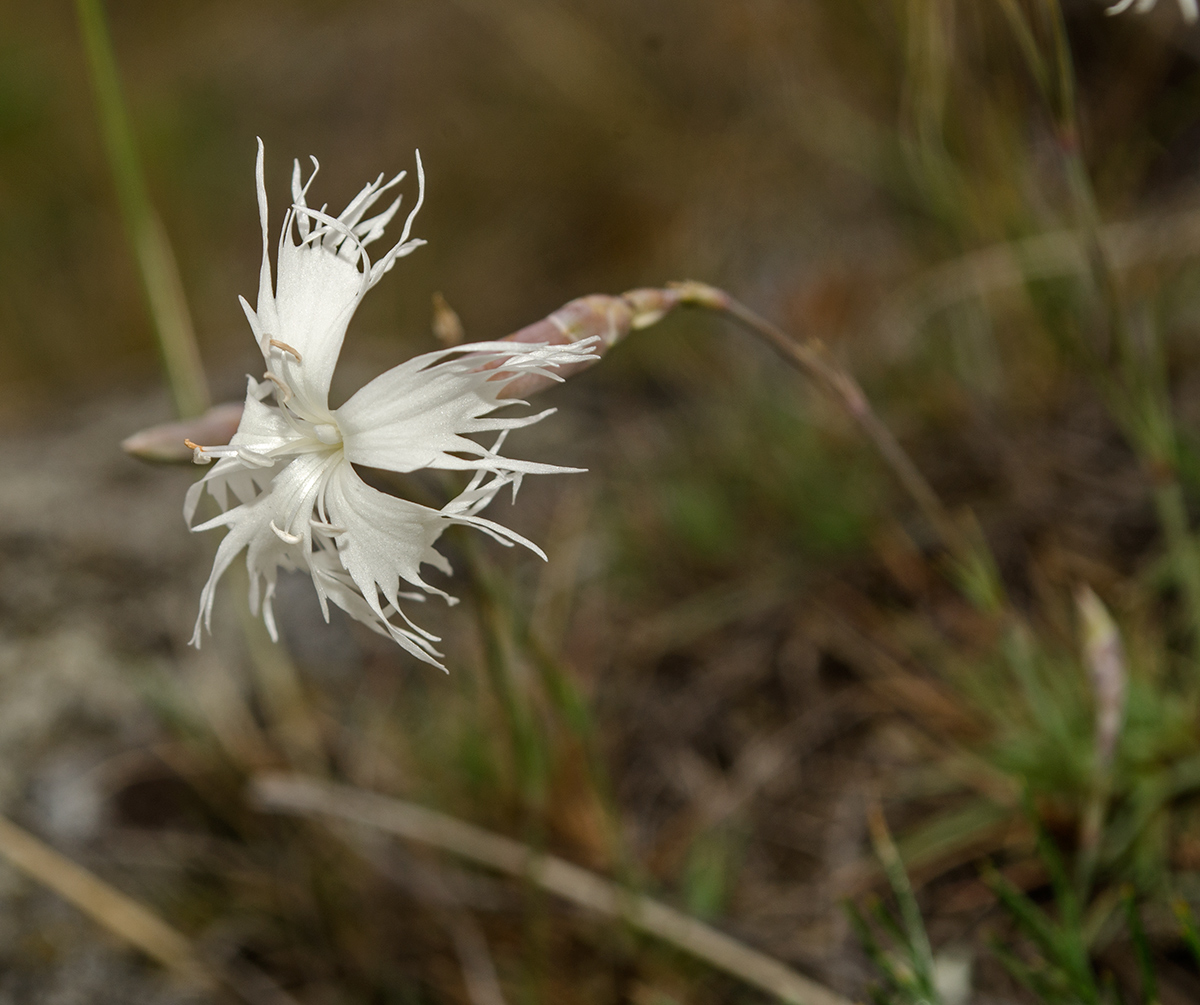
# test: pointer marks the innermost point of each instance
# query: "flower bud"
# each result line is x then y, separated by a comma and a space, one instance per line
650, 305
165, 443
607, 318
701, 295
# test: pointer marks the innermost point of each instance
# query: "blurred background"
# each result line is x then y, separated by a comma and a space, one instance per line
747, 640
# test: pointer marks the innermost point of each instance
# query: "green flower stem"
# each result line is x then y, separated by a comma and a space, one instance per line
156, 264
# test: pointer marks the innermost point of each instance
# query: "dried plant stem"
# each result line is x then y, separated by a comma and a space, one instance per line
156, 263
303, 796
1012, 264
811, 359
109, 907
975, 568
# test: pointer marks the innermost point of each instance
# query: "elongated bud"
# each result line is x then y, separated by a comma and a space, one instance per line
701, 295
166, 443
650, 305
1105, 659
609, 318
606, 318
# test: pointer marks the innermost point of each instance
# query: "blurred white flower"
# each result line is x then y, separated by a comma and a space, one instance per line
1189, 8
299, 502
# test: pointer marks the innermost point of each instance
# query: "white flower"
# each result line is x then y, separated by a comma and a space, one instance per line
299, 502
1189, 8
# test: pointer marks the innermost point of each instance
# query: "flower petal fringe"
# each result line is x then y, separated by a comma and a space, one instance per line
285, 484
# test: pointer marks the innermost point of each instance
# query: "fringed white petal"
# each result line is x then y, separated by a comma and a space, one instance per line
317, 293
343, 592
420, 413
383, 541
263, 430
299, 502
1190, 9
287, 505
320, 279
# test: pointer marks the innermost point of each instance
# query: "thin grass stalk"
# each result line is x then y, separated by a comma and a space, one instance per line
427, 885
1187, 928
124, 917
1141, 391
1027, 42
528, 744
292, 723
531, 752
1064, 112
914, 935
532, 757
1141, 948
1145, 385
974, 566
572, 709
1171, 508
156, 264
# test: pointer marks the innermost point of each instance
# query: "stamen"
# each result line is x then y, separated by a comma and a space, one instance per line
284, 536
198, 452
283, 388
285, 347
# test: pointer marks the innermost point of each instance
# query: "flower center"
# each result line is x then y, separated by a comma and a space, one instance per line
327, 432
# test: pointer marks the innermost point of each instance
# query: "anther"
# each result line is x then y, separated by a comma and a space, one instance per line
283, 388
199, 454
284, 347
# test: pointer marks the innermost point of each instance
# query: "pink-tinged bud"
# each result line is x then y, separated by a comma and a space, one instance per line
167, 443
701, 295
1105, 659
609, 318
650, 305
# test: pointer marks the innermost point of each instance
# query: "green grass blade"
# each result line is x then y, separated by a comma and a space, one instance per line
152, 252
1141, 949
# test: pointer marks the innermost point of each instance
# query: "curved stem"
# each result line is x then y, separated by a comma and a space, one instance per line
975, 567
812, 359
